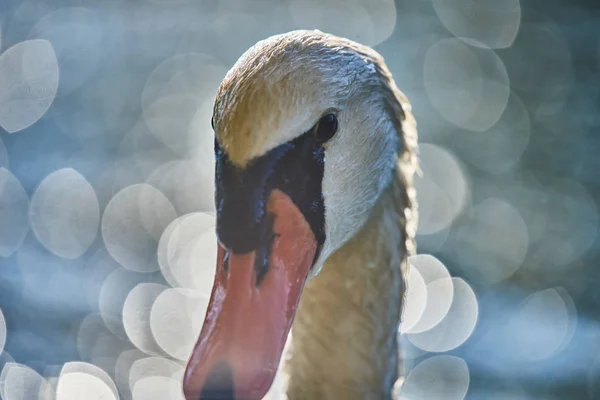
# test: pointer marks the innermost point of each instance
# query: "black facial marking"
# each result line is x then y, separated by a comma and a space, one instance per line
243, 224
225, 263
263, 253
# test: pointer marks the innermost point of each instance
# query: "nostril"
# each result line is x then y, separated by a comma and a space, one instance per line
219, 383
263, 252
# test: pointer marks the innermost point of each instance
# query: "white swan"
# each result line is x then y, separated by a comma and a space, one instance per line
316, 215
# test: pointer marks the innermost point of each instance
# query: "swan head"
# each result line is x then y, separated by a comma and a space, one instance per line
308, 130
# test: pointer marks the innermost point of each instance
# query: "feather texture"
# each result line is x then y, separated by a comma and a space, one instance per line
345, 332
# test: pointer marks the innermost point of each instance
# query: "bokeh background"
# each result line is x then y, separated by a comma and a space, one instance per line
106, 226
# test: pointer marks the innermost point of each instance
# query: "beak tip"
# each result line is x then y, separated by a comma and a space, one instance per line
221, 384
218, 383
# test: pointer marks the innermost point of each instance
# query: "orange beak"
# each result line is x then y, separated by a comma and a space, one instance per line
251, 310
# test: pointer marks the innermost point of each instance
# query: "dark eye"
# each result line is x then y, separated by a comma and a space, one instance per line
212, 122
326, 128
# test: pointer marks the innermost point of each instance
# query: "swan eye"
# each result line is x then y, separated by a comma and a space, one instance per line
326, 128
212, 122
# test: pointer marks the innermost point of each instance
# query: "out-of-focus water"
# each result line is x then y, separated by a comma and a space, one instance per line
106, 168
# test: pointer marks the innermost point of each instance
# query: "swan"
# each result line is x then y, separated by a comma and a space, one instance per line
315, 151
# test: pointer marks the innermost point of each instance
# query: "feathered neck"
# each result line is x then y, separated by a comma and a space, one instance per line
345, 332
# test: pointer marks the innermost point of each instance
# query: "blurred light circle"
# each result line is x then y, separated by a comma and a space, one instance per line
20, 382
5, 358
14, 213
442, 189
438, 377
204, 253
115, 289
28, 83
491, 242
500, 147
76, 36
415, 299
65, 213
122, 367
187, 184
136, 316
187, 252
546, 312
2, 331
469, 87
163, 253
457, 325
157, 387
492, 23
90, 331
152, 367
132, 225
176, 319
367, 22
439, 289
82, 385
92, 370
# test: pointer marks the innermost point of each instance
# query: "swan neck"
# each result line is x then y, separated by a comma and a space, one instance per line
344, 342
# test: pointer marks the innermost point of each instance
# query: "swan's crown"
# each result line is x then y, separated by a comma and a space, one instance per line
281, 86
